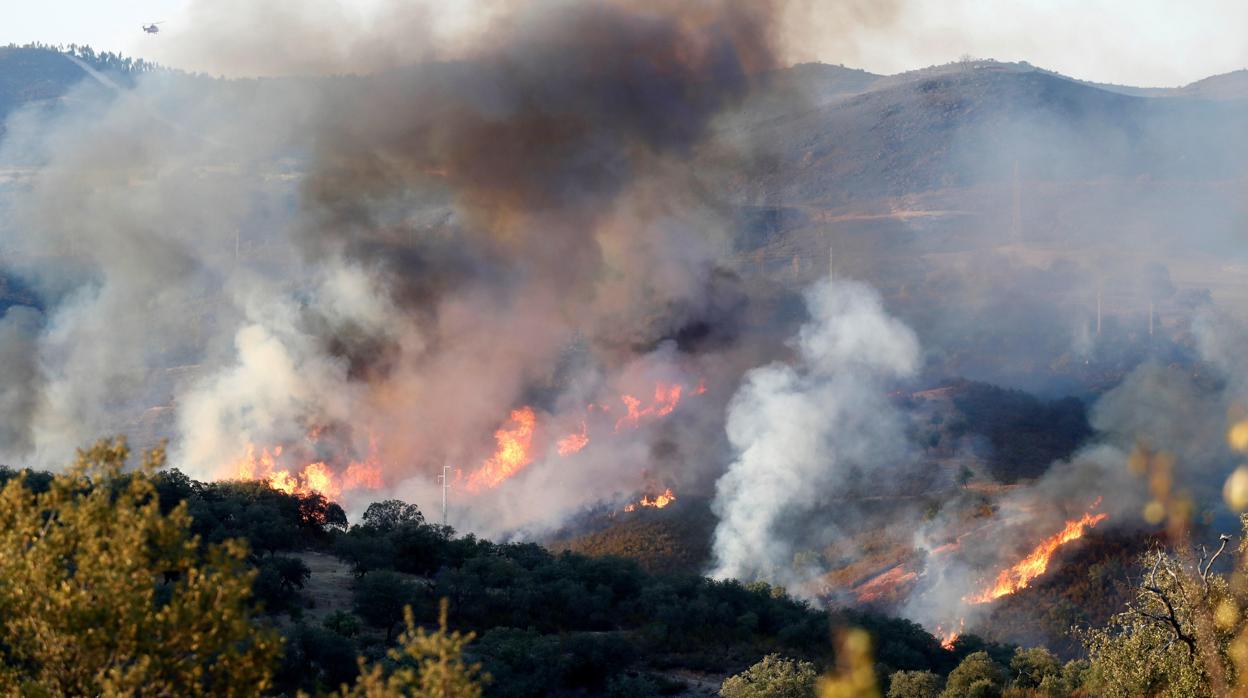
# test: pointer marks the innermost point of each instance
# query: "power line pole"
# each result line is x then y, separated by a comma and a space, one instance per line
1017, 223
1098, 309
445, 477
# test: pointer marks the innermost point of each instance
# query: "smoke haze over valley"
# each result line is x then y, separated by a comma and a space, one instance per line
892, 331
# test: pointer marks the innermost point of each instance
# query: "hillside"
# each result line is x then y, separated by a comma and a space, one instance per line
676, 538
1228, 86
42, 75
968, 126
882, 319
30, 75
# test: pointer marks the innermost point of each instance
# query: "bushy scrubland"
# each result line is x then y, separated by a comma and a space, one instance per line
147, 582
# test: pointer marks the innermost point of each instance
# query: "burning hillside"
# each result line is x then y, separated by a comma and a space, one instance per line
497, 263
518, 443
657, 502
294, 474
1019, 575
524, 254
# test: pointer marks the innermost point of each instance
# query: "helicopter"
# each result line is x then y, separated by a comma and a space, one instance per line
153, 28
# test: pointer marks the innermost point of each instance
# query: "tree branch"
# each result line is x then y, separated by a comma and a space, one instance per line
1204, 574
1172, 617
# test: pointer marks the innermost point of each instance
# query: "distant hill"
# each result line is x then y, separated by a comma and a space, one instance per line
44, 74
34, 75
937, 185
1228, 86
963, 125
825, 135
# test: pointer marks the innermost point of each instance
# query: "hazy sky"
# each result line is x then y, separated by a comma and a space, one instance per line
1139, 42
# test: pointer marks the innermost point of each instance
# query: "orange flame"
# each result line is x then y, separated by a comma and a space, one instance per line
948, 638
514, 443
666, 397
1020, 575
634, 414
362, 476
318, 478
658, 502
255, 466
512, 454
315, 477
284, 482
574, 442
365, 474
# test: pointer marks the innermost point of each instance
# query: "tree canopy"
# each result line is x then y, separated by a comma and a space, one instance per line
105, 594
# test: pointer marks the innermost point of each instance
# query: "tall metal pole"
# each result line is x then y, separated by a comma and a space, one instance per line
1017, 223
1098, 310
446, 483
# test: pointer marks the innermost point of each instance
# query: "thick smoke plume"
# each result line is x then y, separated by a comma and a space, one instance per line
379, 269
811, 433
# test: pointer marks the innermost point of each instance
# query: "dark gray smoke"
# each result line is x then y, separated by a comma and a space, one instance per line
382, 267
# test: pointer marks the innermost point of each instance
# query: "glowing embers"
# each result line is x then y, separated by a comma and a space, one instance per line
1021, 574
658, 502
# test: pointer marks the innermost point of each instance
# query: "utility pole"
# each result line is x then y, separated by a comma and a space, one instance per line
1098, 309
1017, 223
445, 477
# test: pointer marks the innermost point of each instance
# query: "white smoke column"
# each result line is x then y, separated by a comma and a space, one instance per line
812, 431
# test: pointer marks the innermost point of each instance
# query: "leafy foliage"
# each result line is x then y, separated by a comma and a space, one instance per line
381, 596
429, 664
278, 580
772, 677
1151, 648
1033, 667
914, 684
977, 675
109, 592
552, 623
105, 594
391, 514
